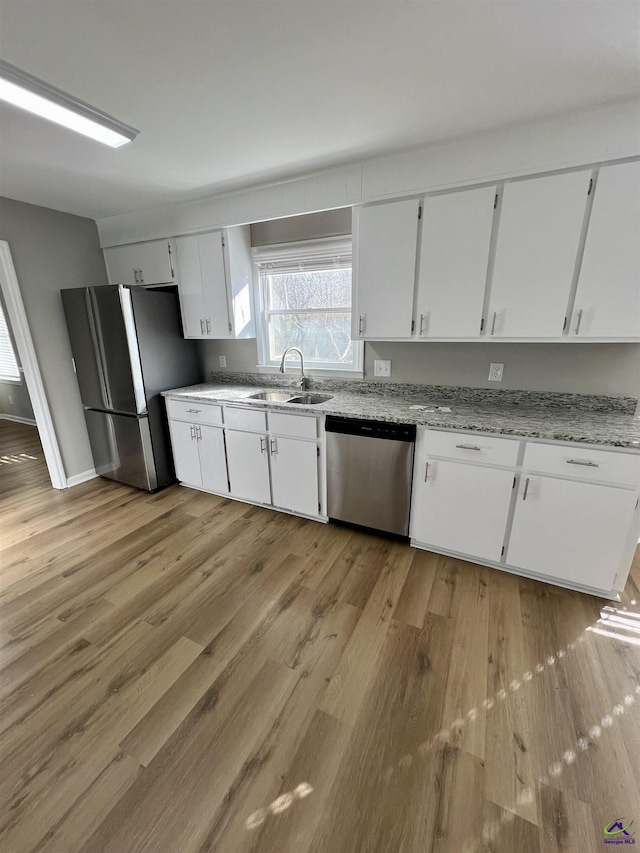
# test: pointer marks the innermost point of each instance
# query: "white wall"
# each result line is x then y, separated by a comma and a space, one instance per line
51, 251
576, 139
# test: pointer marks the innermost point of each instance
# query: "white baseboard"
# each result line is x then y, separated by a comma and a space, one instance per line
18, 419
81, 478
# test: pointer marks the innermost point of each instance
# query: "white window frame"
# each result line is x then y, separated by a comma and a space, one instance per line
327, 250
8, 356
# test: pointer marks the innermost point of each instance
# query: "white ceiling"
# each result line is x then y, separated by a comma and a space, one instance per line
227, 94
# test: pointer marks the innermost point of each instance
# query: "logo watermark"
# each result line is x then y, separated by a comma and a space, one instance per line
617, 833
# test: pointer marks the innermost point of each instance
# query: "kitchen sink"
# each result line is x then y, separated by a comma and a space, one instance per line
272, 396
310, 399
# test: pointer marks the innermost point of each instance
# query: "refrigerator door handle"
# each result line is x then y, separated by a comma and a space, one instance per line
134, 351
98, 347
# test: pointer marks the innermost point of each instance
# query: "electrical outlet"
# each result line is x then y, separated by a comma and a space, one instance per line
495, 372
381, 368
10, 397
223, 360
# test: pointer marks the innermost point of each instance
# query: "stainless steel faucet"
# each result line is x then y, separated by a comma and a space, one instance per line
284, 355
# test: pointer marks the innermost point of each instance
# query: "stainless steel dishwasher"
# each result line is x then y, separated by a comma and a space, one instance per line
369, 470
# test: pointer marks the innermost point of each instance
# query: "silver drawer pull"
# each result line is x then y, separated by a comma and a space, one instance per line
526, 489
585, 462
426, 471
468, 447
194, 411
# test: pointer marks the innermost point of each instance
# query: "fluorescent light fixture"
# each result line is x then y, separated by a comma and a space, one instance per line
34, 95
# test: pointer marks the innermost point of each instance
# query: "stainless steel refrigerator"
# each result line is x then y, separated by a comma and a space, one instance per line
127, 347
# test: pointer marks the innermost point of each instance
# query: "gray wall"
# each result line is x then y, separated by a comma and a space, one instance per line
14, 401
51, 251
612, 369
579, 368
14, 397
329, 223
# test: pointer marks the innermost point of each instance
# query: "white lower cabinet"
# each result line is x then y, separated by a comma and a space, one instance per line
294, 474
460, 507
248, 464
567, 513
249, 453
572, 531
199, 455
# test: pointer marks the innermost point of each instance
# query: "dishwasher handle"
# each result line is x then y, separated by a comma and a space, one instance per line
371, 429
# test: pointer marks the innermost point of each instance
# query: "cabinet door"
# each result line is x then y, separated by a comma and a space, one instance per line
186, 457
386, 238
294, 474
572, 531
461, 507
608, 297
454, 253
139, 263
122, 265
214, 286
537, 246
248, 465
213, 459
154, 262
190, 287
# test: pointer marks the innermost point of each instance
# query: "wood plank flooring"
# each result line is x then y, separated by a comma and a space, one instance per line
180, 673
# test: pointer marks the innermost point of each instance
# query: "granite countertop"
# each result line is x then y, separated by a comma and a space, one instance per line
560, 417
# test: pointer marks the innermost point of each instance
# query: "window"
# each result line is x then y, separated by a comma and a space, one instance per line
9, 371
305, 301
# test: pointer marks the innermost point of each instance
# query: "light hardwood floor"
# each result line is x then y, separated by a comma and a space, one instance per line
182, 673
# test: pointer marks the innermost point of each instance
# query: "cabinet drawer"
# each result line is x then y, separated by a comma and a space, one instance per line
251, 420
470, 447
582, 463
194, 411
297, 426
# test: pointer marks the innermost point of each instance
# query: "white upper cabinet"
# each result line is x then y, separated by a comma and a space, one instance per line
537, 246
454, 253
215, 284
385, 243
607, 300
140, 263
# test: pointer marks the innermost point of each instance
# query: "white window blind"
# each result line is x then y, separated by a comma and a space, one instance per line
305, 301
9, 370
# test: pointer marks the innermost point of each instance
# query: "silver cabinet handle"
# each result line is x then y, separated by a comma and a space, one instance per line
585, 462
579, 320
468, 447
426, 471
201, 325
199, 433
140, 274
274, 446
193, 432
526, 489
194, 411
135, 275
208, 326
423, 320
361, 324
493, 324
263, 444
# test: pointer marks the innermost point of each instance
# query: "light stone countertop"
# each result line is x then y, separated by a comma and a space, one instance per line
545, 421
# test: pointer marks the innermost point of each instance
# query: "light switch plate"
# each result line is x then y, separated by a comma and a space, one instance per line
381, 367
495, 372
223, 360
